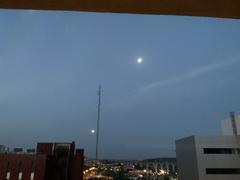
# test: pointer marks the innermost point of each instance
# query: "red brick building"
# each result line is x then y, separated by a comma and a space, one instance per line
52, 161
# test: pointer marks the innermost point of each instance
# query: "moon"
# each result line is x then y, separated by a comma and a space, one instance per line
139, 60
92, 131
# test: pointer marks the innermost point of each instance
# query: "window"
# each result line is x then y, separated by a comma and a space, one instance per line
20, 170
32, 171
223, 171
32, 176
8, 175
219, 151
20, 175
8, 171
237, 151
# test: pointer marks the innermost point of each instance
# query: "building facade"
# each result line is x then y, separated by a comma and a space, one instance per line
52, 161
208, 158
211, 157
4, 149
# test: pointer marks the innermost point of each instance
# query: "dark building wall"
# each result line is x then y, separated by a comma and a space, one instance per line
41, 166
53, 161
77, 166
46, 148
22, 163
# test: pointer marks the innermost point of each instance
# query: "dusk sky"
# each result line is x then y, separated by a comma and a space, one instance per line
51, 64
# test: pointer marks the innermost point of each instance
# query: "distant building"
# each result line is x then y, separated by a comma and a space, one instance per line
4, 149
210, 157
157, 164
52, 161
18, 150
31, 150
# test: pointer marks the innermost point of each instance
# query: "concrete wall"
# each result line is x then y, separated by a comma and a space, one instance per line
217, 160
192, 162
187, 159
12, 161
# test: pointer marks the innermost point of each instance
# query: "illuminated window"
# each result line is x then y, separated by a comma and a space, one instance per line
19, 175
32, 176
20, 170
8, 175
8, 171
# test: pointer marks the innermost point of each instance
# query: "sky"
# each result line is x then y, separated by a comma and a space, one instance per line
51, 64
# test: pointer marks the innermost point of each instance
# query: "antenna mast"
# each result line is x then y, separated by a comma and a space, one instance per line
98, 119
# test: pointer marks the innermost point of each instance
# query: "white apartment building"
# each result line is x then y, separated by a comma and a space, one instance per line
211, 157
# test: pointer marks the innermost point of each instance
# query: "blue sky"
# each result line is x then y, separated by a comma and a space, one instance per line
52, 62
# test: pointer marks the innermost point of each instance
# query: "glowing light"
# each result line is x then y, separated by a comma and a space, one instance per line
139, 60
92, 131
162, 172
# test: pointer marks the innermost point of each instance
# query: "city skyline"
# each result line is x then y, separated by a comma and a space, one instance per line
51, 64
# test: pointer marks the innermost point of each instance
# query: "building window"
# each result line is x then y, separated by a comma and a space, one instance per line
32, 176
8, 171
223, 171
238, 151
20, 176
32, 171
8, 175
219, 151
20, 170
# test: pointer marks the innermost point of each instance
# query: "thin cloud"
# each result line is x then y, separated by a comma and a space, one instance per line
194, 73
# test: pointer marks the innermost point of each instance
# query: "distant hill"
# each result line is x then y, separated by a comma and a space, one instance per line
170, 159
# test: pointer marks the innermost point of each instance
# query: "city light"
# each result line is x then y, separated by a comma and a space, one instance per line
162, 172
